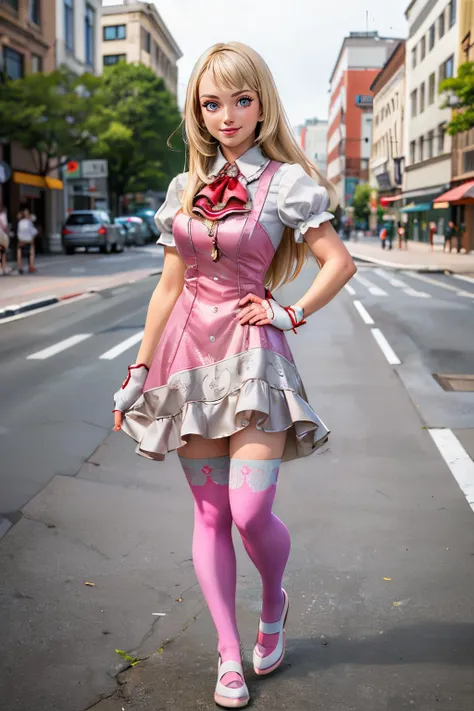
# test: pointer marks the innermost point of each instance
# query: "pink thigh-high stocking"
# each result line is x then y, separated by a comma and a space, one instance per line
213, 551
252, 489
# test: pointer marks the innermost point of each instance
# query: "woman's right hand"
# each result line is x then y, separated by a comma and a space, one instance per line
132, 388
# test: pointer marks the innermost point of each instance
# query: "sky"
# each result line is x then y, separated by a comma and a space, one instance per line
299, 39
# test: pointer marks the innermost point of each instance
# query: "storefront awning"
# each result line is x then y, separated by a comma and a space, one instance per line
38, 181
460, 192
421, 207
384, 201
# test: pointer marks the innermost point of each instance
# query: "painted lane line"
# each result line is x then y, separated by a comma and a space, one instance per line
373, 289
122, 347
448, 287
463, 277
458, 461
349, 289
394, 282
364, 314
58, 347
385, 347
416, 293
25, 314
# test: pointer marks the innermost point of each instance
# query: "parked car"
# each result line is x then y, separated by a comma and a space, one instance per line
136, 229
148, 216
91, 228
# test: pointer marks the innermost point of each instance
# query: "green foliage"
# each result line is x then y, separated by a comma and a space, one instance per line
135, 143
462, 87
56, 115
361, 201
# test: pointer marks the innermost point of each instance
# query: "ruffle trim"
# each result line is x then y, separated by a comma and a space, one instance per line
314, 221
276, 410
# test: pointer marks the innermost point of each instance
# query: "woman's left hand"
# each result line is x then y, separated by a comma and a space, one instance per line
254, 311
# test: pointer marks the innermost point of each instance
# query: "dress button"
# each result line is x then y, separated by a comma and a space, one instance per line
215, 309
244, 423
216, 278
212, 338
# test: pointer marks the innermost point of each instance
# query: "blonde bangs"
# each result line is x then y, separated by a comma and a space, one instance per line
231, 71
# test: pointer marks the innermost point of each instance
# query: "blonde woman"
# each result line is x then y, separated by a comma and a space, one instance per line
214, 377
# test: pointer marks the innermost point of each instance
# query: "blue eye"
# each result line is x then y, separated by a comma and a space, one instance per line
248, 99
211, 105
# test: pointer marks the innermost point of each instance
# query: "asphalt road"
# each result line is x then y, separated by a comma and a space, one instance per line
380, 576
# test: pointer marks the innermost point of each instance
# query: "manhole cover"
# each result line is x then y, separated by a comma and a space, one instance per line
454, 382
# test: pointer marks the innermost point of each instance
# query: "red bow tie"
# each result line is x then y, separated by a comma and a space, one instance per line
225, 195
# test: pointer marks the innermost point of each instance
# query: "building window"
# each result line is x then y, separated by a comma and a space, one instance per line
413, 152
446, 70
69, 24
14, 63
36, 63
110, 59
13, 4
115, 32
89, 25
414, 97
34, 11
452, 12
441, 26
422, 98
432, 89
147, 42
413, 57
421, 143
430, 143
441, 132
431, 37
422, 49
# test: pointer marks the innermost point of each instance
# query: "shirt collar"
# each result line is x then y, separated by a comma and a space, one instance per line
251, 163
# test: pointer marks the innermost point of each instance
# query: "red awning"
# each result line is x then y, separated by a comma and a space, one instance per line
387, 200
457, 193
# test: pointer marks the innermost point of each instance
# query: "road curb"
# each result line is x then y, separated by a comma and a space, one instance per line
28, 306
422, 268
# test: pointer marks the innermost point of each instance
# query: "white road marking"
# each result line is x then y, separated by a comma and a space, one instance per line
463, 277
400, 284
385, 347
58, 347
457, 459
25, 314
122, 347
375, 290
349, 289
366, 317
448, 287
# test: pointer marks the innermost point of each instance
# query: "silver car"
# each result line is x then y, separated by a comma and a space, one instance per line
91, 228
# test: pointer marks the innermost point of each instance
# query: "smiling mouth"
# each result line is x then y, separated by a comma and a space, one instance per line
230, 130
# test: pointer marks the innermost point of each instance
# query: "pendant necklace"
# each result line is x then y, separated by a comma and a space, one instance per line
212, 227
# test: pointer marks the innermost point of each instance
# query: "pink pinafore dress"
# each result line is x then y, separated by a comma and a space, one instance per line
210, 375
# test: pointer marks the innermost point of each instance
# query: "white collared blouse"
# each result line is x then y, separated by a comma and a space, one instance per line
294, 198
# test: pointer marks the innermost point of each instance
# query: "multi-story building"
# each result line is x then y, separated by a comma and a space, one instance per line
361, 57
431, 56
135, 32
312, 136
78, 35
461, 197
27, 41
386, 164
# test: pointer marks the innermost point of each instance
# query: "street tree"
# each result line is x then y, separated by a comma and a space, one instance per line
361, 202
460, 96
57, 116
135, 143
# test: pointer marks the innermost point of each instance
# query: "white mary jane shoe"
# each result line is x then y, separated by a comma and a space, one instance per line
226, 696
265, 665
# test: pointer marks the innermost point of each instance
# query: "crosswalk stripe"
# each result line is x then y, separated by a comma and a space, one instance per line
400, 284
58, 347
415, 292
375, 290
349, 289
448, 287
122, 347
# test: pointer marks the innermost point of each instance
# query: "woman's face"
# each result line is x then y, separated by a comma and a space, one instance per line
230, 115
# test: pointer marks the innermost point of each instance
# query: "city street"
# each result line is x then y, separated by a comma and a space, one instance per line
96, 547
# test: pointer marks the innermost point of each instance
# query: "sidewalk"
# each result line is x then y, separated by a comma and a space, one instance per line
417, 257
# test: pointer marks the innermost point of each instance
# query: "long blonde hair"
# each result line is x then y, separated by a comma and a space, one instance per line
235, 65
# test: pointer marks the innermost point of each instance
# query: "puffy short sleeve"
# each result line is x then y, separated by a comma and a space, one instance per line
165, 215
302, 203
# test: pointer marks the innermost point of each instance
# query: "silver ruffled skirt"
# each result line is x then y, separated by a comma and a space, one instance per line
220, 399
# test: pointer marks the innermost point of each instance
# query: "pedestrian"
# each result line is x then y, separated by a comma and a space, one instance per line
214, 377
449, 234
460, 236
4, 240
26, 233
383, 236
432, 232
390, 233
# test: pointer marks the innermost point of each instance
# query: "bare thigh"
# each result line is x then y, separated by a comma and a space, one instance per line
198, 447
251, 443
